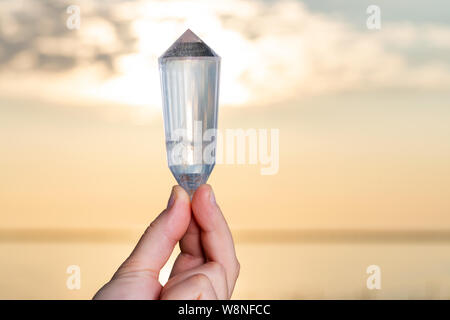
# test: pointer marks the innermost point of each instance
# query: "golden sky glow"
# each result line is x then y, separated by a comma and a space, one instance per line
354, 106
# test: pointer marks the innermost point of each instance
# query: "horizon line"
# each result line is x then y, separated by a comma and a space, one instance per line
242, 236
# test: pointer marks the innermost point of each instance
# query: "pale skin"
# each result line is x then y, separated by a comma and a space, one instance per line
206, 268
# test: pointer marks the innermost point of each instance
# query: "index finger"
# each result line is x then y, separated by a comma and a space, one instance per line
157, 243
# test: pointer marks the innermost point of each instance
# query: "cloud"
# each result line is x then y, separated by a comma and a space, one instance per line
272, 52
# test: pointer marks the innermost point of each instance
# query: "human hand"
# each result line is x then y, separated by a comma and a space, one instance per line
206, 268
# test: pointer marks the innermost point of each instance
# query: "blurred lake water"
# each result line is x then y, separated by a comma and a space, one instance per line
310, 267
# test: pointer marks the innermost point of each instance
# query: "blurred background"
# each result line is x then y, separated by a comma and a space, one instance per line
364, 147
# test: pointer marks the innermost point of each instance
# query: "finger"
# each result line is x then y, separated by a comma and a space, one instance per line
157, 243
216, 238
215, 273
196, 287
191, 255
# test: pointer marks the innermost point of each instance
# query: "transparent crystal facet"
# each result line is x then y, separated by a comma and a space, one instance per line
189, 72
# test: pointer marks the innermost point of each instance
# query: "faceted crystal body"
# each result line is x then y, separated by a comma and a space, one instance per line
189, 72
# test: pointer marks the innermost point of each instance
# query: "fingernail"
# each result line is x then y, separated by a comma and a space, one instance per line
212, 197
171, 199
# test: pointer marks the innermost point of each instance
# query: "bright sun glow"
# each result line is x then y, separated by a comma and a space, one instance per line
271, 53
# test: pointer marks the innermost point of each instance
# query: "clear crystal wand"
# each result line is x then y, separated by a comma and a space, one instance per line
189, 72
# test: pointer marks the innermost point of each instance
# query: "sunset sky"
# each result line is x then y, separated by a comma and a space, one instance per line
363, 114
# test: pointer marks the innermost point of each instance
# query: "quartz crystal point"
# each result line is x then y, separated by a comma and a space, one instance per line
189, 72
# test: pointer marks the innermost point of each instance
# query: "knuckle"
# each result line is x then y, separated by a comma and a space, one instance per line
216, 268
201, 280
153, 224
237, 267
134, 268
129, 265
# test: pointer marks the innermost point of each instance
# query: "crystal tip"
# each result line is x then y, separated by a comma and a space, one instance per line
191, 181
189, 45
189, 36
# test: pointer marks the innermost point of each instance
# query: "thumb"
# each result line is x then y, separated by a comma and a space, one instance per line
157, 243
